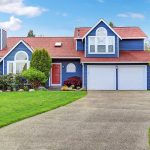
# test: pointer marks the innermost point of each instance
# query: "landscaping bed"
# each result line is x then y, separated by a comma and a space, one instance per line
15, 106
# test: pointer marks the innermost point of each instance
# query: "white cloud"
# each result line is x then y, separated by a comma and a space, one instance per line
18, 7
131, 15
100, 1
13, 24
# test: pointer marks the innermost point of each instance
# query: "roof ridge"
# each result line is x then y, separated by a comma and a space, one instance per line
43, 37
127, 27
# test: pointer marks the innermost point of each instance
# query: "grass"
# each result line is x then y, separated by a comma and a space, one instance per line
17, 106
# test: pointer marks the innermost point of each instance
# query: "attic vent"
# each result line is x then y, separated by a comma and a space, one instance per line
58, 44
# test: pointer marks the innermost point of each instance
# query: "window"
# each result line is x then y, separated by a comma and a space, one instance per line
20, 63
101, 32
101, 43
10, 67
21, 56
92, 44
71, 67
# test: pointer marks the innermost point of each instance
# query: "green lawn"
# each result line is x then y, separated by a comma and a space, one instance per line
16, 106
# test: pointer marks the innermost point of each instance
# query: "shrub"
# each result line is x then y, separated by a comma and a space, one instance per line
73, 81
35, 77
41, 61
10, 81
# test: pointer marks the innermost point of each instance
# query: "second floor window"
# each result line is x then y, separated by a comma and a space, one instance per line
101, 43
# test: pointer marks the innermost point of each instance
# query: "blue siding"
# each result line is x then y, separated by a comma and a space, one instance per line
132, 44
110, 33
1, 68
10, 57
148, 77
0, 38
66, 75
80, 45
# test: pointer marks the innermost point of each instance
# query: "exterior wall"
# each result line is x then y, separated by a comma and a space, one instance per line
110, 33
80, 45
10, 57
64, 63
131, 44
148, 77
0, 38
85, 74
1, 68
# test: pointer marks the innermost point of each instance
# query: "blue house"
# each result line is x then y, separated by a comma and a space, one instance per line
104, 57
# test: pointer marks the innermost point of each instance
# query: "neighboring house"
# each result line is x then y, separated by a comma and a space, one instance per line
104, 58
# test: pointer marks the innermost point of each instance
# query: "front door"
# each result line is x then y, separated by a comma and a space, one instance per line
55, 74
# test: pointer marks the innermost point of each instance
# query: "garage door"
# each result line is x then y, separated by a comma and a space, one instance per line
132, 78
101, 77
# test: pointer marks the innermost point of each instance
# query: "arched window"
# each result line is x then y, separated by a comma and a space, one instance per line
101, 32
23, 56
20, 63
71, 67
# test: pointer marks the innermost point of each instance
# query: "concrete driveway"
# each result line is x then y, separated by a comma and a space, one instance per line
101, 121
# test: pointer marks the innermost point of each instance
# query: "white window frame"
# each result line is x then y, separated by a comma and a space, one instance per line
18, 61
96, 44
71, 70
100, 29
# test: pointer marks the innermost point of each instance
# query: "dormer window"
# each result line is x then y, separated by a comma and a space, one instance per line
101, 43
101, 32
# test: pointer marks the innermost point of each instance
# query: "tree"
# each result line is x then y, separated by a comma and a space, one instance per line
41, 61
31, 34
111, 24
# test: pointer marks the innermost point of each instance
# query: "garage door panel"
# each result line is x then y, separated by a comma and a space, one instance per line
101, 77
132, 78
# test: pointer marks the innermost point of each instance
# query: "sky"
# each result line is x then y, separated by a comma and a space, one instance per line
60, 17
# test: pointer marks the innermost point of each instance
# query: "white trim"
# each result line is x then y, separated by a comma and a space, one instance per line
113, 62
21, 41
3, 67
60, 75
1, 38
21, 52
82, 75
106, 44
85, 48
101, 20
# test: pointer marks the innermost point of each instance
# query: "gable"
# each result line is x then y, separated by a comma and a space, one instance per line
20, 46
102, 23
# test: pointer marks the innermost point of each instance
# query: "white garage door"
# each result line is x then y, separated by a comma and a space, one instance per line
101, 77
132, 78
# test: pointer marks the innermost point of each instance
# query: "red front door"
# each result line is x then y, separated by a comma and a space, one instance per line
56, 73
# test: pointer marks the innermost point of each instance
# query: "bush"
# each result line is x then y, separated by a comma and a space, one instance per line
73, 81
10, 81
41, 61
35, 77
